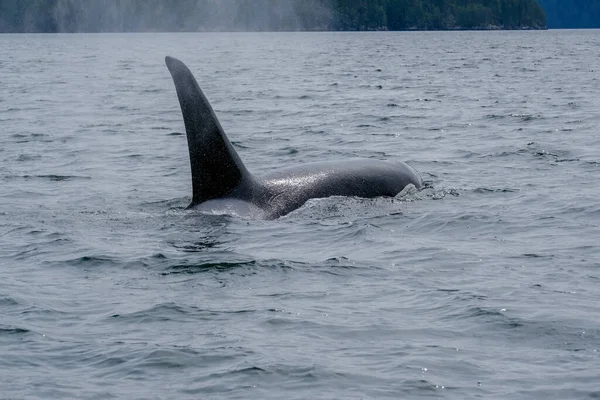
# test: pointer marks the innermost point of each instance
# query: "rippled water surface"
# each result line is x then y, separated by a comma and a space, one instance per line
483, 285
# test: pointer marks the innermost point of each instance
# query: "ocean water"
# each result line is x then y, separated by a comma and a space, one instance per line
483, 285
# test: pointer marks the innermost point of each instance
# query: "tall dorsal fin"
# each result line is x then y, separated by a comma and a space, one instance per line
216, 167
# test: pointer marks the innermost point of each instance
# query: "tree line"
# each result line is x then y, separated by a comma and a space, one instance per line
266, 15
438, 14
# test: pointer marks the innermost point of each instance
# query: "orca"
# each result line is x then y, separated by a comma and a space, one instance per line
218, 173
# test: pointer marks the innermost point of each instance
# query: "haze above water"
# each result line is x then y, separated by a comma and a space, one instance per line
483, 285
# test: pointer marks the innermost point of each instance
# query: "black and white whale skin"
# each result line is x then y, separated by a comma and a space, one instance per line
218, 174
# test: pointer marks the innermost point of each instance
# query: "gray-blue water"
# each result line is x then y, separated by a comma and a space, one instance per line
486, 284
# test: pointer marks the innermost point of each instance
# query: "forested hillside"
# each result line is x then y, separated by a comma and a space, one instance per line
266, 15
438, 14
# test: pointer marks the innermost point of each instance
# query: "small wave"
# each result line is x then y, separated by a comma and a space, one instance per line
407, 194
159, 312
212, 384
207, 266
422, 386
491, 315
123, 108
175, 312
525, 69
565, 160
340, 262
168, 359
239, 145
288, 151
91, 261
198, 246
29, 135
28, 157
485, 190
535, 255
50, 177
8, 301
100, 125
526, 117
4, 330
437, 194
60, 178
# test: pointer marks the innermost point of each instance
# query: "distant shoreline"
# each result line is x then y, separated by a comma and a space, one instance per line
456, 29
54, 16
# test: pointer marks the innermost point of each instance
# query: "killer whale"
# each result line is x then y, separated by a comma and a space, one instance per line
219, 174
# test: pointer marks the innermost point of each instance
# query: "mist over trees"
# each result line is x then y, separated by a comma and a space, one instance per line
266, 15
